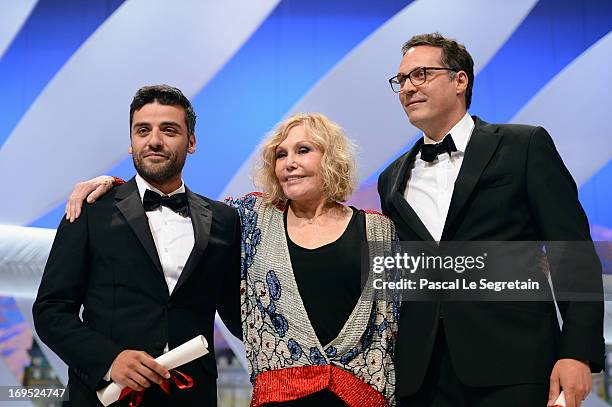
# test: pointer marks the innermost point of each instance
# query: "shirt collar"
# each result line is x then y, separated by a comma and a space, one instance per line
144, 185
460, 132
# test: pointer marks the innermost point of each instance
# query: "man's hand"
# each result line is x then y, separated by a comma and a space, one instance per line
136, 370
92, 190
574, 378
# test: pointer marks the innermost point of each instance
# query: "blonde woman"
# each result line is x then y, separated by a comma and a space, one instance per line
312, 336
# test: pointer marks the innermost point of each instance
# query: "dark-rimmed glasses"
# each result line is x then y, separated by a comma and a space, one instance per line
417, 76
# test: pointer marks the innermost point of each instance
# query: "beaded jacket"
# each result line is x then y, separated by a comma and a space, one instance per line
286, 361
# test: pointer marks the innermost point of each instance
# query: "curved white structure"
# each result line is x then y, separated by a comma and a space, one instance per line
13, 14
580, 127
23, 255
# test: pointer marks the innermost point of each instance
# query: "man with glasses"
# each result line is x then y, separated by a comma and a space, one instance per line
468, 180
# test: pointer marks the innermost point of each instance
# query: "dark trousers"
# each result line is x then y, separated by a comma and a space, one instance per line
442, 388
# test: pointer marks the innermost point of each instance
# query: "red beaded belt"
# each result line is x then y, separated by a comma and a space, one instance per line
295, 382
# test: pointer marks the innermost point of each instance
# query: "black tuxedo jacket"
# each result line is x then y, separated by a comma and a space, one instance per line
512, 186
107, 262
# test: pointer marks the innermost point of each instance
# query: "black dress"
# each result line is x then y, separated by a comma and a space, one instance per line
329, 282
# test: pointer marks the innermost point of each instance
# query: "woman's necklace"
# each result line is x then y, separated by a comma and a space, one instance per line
310, 221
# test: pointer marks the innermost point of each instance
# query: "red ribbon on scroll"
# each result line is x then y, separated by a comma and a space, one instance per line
181, 380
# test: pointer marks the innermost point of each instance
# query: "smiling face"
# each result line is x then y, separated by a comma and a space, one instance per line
439, 103
298, 166
160, 143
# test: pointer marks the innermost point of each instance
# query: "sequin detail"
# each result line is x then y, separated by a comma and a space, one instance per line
281, 385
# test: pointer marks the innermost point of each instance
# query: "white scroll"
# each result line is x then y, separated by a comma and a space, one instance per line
176, 357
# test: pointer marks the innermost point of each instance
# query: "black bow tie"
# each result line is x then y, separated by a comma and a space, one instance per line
429, 152
177, 202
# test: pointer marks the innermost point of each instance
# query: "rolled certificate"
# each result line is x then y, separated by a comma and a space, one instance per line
176, 357
560, 402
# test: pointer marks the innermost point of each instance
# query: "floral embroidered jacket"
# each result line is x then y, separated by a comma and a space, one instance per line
286, 361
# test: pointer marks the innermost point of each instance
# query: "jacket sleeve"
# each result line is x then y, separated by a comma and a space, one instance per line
575, 267
229, 307
61, 294
382, 191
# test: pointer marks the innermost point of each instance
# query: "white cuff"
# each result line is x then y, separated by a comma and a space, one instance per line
107, 376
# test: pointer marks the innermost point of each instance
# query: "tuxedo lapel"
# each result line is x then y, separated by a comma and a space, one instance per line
129, 203
400, 204
201, 219
478, 153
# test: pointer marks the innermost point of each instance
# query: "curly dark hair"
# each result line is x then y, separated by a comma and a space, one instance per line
164, 95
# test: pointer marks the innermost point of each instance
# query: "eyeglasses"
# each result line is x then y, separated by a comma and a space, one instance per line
417, 76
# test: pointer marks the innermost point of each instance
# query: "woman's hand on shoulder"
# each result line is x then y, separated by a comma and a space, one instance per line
91, 190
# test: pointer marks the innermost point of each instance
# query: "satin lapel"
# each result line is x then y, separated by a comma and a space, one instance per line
129, 203
402, 207
201, 219
478, 153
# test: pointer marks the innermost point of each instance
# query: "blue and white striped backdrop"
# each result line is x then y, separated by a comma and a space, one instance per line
68, 69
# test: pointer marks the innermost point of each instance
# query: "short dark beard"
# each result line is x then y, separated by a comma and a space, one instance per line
161, 174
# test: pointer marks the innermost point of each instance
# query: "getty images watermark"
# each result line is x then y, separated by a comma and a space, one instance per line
483, 271
459, 265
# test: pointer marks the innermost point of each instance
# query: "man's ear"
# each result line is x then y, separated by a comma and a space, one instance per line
191, 147
462, 82
130, 150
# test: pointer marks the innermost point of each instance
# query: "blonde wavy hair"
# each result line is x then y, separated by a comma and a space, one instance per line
337, 163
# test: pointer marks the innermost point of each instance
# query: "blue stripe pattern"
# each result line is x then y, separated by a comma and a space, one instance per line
294, 48
52, 33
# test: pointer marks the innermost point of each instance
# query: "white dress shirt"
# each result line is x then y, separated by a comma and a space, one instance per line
172, 234
430, 186
173, 237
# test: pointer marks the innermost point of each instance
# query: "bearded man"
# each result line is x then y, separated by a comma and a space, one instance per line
149, 263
